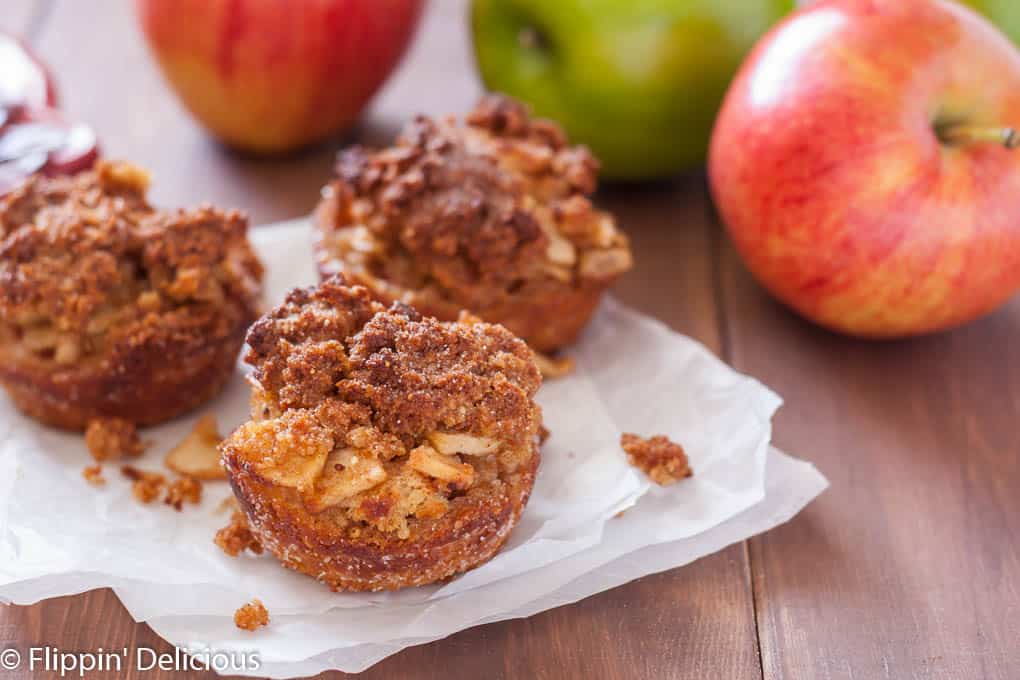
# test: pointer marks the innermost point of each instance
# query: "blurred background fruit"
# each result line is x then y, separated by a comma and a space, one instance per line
34, 136
638, 81
864, 162
1003, 13
270, 76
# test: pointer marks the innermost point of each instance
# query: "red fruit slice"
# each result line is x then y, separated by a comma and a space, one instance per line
24, 81
42, 141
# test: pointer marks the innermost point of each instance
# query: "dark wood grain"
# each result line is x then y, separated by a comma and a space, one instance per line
909, 566
695, 622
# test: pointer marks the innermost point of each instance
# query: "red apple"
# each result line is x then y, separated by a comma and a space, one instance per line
273, 75
862, 162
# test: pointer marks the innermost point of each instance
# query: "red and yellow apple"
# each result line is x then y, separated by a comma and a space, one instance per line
269, 76
863, 164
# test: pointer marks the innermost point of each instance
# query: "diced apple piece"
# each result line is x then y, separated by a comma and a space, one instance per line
457, 442
603, 263
40, 338
428, 461
561, 251
554, 367
196, 455
290, 454
347, 472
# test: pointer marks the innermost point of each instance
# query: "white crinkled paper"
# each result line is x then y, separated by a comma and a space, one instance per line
58, 535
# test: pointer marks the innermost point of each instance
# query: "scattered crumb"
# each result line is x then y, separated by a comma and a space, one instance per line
543, 434
554, 367
93, 474
109, 438
196, 455
146, 486
662, 460
237, 537
251, 616
183, 489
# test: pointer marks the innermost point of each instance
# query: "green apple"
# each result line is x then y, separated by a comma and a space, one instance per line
1004, 13
638, 81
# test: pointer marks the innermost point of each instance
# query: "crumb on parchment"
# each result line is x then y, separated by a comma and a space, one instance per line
251, 616
146, 486
93, 474
237, 537
183, 489
664, 461
110, 438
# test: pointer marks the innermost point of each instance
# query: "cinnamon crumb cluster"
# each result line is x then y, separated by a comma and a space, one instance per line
183, 490
149, 486
251, 616
93, 474
664, 461
112, 438
237, 536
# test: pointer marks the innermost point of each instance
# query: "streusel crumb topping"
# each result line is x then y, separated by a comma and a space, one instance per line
86, 261
472, 209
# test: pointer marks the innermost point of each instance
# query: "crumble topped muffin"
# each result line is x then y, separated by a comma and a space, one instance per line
112, 308
490, 215
385, 449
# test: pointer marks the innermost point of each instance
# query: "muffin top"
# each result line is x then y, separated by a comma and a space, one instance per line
381, 420
474, 209
85, 262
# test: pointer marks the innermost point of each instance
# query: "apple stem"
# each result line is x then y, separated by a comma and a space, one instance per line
962, 134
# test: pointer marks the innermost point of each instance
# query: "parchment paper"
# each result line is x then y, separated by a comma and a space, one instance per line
58, 535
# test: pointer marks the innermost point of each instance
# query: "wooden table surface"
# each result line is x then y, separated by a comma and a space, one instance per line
908, 567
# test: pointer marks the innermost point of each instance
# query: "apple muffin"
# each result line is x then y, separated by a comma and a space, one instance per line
491, 214
110, 308
385, 449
